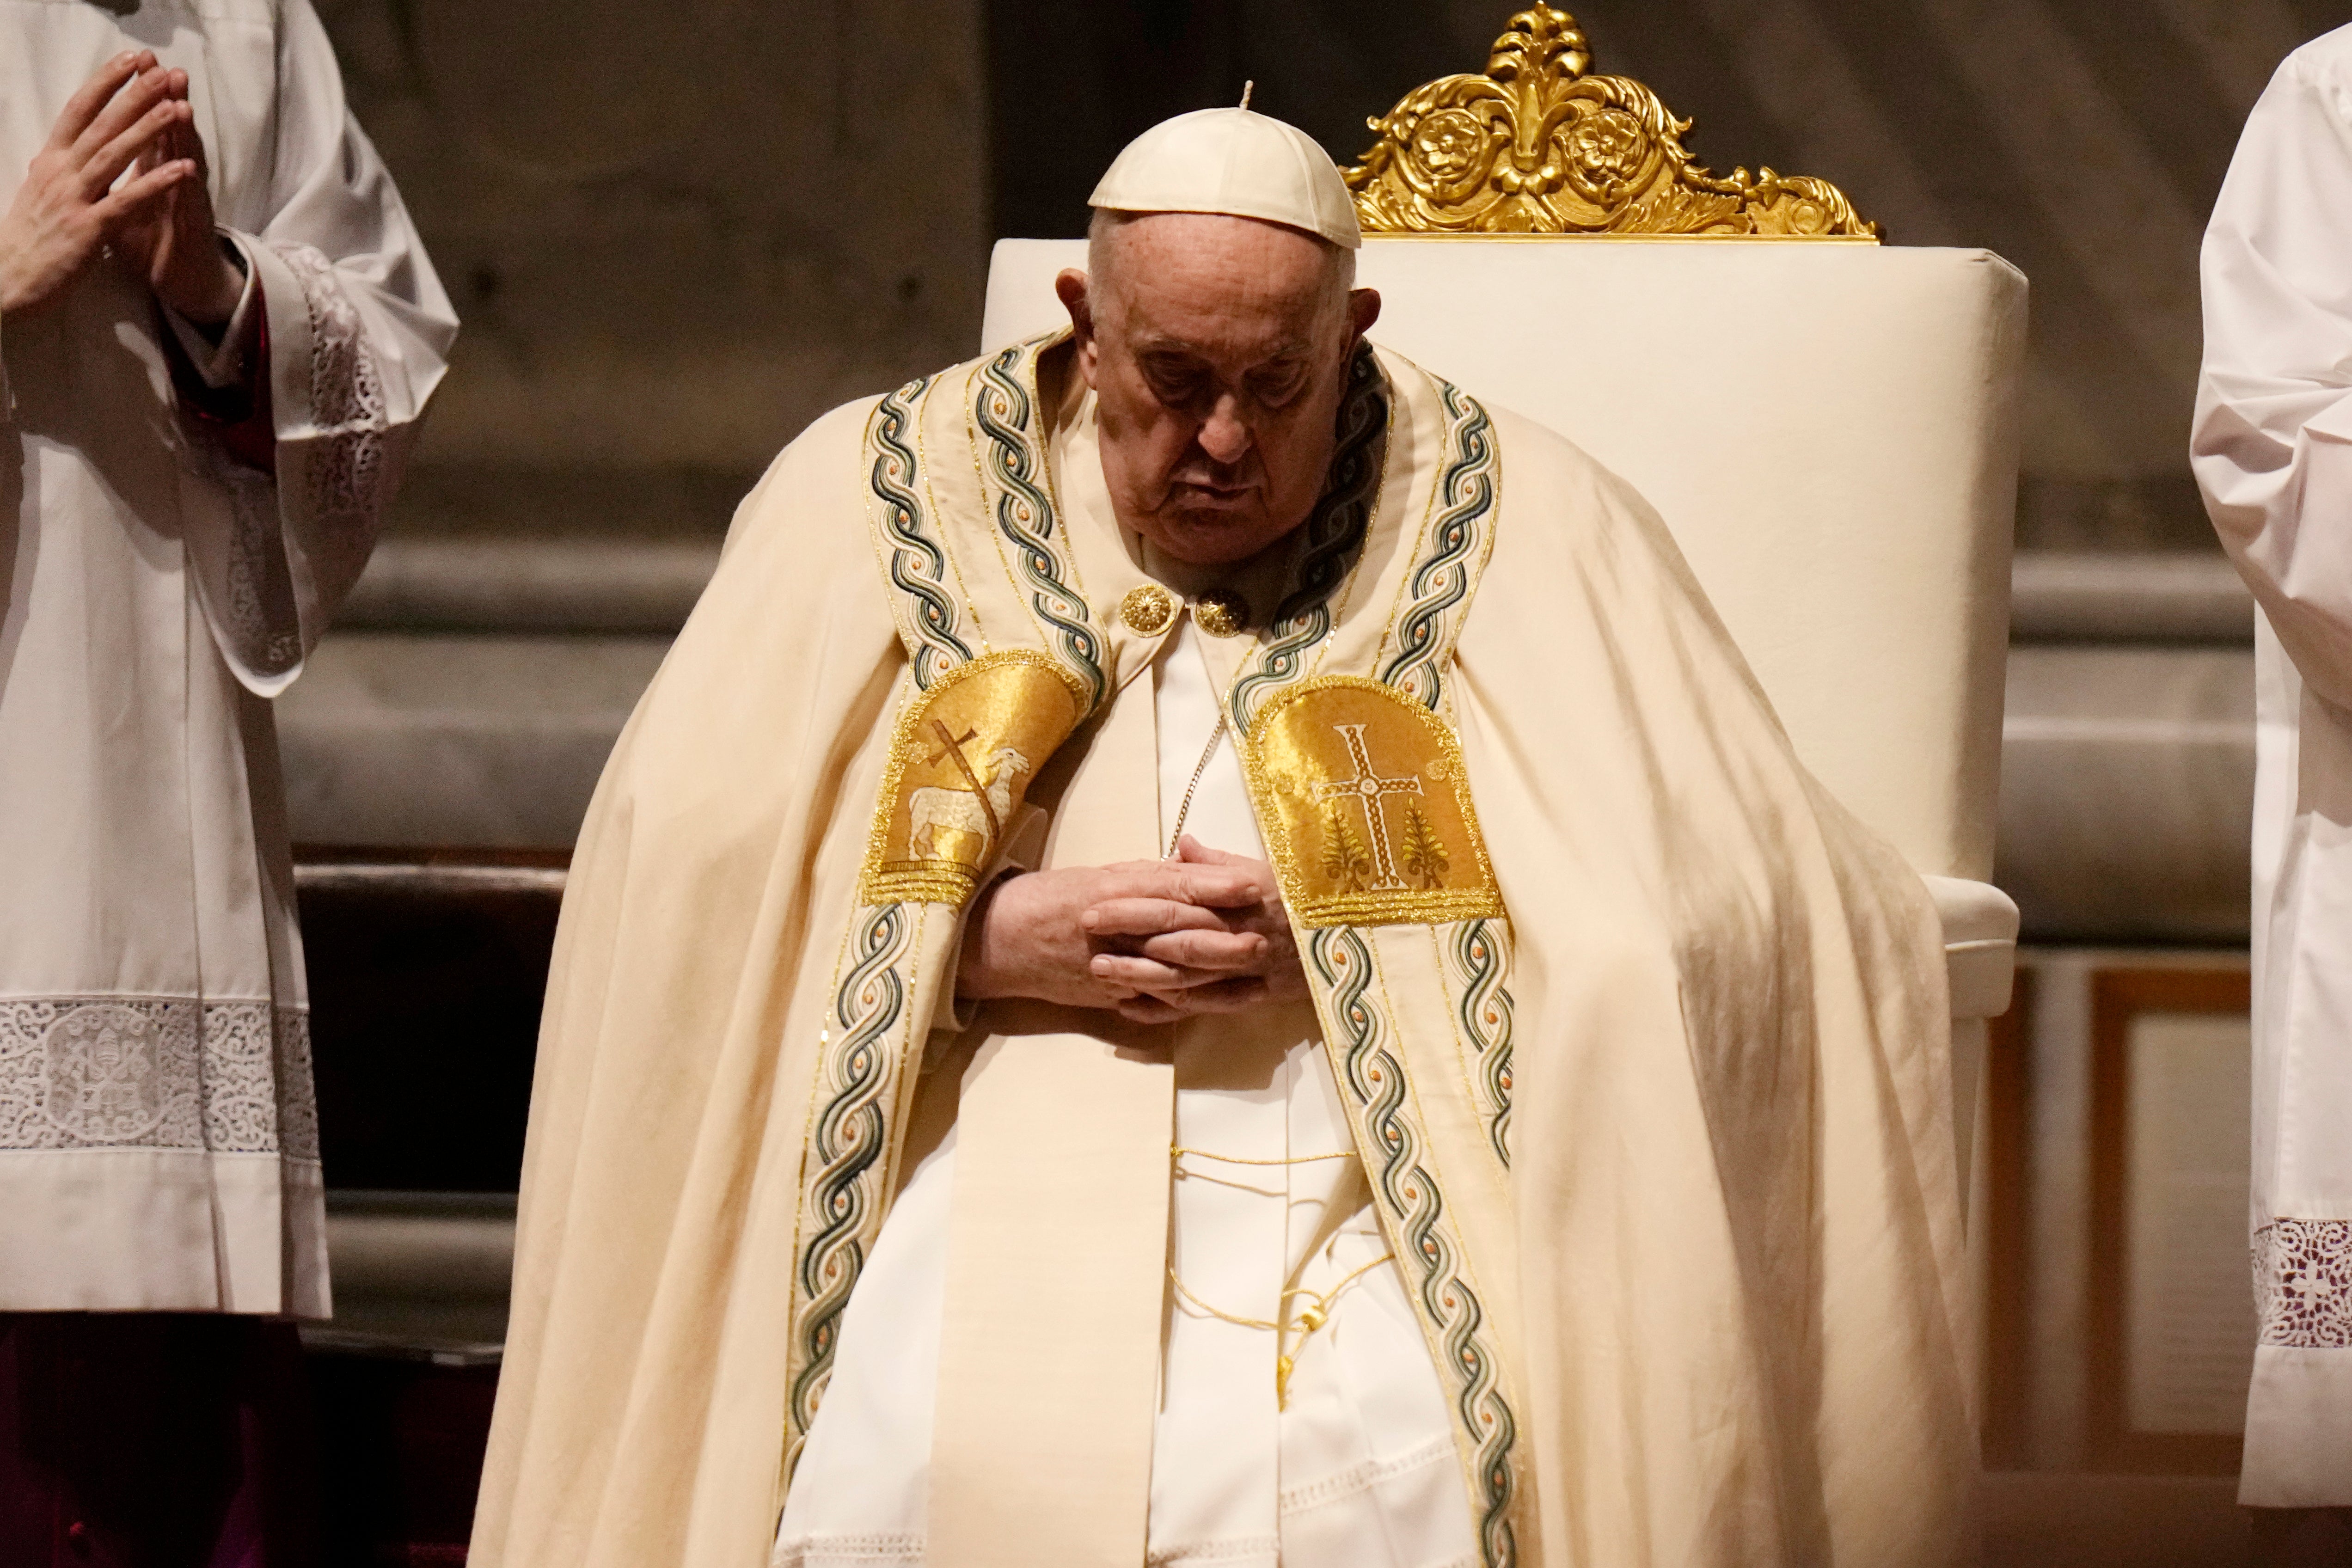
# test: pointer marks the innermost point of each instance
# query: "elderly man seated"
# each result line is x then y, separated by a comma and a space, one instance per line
1203, 953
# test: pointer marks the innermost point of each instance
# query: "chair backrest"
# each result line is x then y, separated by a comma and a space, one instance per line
1828, 427
1829, 430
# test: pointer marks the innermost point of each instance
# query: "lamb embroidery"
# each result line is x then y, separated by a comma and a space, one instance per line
979, 811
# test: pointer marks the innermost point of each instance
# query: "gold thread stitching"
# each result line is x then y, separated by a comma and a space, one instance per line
1404, 907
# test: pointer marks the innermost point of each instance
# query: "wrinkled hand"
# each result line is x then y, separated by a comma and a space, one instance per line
1153, 940
173, 242
1181, 960
68, 205
1040, 934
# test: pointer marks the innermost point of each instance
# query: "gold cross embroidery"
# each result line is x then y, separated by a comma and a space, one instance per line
1368, 790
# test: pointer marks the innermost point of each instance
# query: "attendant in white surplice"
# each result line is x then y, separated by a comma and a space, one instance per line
217, 332
2274, 454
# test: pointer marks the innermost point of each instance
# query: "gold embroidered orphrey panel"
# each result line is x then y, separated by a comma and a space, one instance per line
1361, 794
960, 765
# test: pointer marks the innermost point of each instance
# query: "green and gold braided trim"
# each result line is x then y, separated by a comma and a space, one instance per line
1368, 1053
1008, 445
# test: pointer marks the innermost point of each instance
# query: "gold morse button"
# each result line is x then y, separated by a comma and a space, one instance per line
1147, 609
1222, 614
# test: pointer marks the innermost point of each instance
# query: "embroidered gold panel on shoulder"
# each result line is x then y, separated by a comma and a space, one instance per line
1366, 808
960, 766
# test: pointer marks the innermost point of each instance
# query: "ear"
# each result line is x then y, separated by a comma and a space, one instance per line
1070, 287
1364, 309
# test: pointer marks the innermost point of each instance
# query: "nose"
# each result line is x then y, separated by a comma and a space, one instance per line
1224, 435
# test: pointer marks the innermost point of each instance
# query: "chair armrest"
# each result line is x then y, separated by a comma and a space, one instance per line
1979, 945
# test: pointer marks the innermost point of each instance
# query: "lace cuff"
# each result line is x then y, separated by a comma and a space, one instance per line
2302, 1283
347, 419
285, 549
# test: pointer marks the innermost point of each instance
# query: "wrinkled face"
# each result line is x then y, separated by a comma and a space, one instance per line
1217, 348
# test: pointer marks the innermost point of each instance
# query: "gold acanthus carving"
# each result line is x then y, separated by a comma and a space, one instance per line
1535, 146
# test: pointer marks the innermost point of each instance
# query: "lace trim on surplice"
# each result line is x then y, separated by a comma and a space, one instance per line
863, 1550
2302, 1283
347, 405
342, 474
156, 1072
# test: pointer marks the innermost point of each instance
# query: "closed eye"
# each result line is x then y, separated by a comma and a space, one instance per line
1277, 386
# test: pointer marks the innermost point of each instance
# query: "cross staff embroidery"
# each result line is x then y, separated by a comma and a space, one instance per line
1368, 790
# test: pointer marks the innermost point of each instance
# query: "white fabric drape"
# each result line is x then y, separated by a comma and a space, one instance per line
2273, 452
158, 1139
1357, 1472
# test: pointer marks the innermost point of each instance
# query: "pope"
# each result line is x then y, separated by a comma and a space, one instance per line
1203, 951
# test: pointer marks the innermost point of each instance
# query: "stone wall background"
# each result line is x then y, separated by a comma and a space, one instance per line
675, 233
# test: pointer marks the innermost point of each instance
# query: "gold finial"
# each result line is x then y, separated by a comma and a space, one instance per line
1535, 146
1247, 88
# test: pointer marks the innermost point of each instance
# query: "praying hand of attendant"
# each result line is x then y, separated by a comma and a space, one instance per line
131, 116
1155, 940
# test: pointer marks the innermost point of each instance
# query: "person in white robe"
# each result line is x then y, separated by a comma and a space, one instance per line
218, 332
1045, 1066
2271, 448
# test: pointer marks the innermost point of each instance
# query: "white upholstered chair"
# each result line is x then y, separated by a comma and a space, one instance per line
1828, 426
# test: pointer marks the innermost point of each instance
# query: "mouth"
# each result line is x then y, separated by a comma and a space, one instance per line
1192, 492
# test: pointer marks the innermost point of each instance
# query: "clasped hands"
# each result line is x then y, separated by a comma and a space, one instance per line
1154, 940
132, 117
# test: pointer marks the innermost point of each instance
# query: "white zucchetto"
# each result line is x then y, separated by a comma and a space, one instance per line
1232, 160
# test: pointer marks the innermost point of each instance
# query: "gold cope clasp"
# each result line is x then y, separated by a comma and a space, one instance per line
1533, 145
1366, 808
1221, 613
961, 763
1147, 609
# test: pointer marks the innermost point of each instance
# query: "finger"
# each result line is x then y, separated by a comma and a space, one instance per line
187, 142
1149, 1010
140, 194
1143, 974
133, 107
1146, 917
1242, 883
1228, 951
1167, 1007
1191, 851
92, 96
151, 128
1211, 887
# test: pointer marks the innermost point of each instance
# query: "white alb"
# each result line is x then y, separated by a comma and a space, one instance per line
159, 1143
2272, 451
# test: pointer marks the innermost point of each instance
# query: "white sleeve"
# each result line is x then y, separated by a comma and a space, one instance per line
2272, 442
359, 334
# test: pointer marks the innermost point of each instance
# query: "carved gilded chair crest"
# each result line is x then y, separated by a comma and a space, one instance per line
1535, 146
